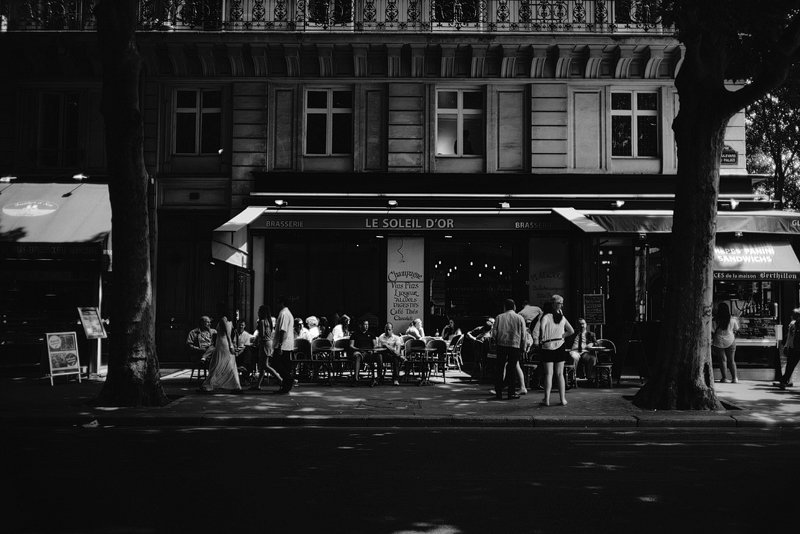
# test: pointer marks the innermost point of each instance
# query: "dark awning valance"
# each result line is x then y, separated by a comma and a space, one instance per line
648, 222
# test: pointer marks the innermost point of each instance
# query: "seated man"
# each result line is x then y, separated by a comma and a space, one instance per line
393, 345
360, 340
583, 360
200, 339
242, 348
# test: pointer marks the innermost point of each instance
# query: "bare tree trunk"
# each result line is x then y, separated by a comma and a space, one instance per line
684, 374
133, 371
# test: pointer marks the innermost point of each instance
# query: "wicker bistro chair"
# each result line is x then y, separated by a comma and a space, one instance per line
339, 360
605, 363
302, 360
322, 355
415, 356
454, 352
437, 358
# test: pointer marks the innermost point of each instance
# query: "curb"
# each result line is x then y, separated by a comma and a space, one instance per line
402, 421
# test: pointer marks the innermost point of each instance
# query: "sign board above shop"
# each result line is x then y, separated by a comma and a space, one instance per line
755, 261
408, 221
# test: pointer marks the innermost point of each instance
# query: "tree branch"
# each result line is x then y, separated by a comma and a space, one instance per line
775, 69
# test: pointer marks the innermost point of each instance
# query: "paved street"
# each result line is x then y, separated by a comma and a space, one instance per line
389, 480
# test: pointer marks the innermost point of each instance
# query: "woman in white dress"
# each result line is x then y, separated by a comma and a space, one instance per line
223, 372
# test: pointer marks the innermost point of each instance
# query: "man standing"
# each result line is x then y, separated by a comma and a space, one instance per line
393, 345
284, 344
509, 335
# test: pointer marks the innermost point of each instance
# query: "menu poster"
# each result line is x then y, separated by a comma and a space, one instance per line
547, 269
594, 308
62, 354
405, 281
92, 325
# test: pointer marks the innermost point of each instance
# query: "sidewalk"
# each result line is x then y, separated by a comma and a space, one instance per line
29, 401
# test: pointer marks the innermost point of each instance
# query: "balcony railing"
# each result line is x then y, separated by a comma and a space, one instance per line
414, 16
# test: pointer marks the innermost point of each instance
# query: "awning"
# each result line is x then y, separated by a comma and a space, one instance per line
229, 242
37, 218
755, 261
660, 221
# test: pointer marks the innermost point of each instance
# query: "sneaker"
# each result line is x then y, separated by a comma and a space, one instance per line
735, 381
395, 383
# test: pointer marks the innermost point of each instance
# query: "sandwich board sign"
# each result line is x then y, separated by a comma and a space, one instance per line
62, 354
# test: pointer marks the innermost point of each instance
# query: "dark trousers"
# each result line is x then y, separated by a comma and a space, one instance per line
792, 357
507, 358
283, 364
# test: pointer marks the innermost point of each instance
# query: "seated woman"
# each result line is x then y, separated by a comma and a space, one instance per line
415, 329
341, 330
450, 331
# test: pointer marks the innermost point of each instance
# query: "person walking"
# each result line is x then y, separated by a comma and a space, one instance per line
284, 345
791, 348
550, 332
723, 341
508, 333
264, 346
222, 370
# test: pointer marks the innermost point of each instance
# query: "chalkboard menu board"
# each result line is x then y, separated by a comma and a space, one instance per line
594, 308
405, 280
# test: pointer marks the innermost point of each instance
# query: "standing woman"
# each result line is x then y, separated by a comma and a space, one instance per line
723, 341
550, 332
223, 373
266, 333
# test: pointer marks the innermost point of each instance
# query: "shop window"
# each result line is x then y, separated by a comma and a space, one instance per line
459, 123
634, 124
198, 122
329, 122
58, 141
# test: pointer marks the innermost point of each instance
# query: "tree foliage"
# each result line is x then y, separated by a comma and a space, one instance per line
773, 142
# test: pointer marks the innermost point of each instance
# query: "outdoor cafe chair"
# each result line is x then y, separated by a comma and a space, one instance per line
454, 352
415, 355
302, 358
436, 356
339, 359
605, 362
322, 355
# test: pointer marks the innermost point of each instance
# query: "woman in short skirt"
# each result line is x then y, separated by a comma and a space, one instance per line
549, 334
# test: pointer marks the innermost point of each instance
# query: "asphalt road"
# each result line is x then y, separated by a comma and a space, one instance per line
400, 480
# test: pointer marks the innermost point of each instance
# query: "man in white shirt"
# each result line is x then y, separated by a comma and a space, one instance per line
284, 344
394, 346
508, 333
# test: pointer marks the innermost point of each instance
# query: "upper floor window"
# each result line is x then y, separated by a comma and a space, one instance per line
58, 142
634, 124
329, 122
330, 12
459, 123
198, 121
455, 11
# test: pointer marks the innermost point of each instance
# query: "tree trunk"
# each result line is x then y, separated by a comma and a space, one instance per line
684, 374
133, 371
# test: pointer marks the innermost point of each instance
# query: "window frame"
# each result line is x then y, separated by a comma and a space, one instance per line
634, 113
198, 110
329, 112
60, 150
459, 111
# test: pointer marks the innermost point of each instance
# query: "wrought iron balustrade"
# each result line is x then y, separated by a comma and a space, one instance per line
415, 16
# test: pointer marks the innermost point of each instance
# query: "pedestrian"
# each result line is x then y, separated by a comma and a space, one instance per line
284, 344
791, 348
264, 345
550, 332
723, 341
508, 333
222, 370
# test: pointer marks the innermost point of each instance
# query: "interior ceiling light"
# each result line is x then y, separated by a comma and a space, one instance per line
80, 176
619, 203
734, 203
280, 202
392, 203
